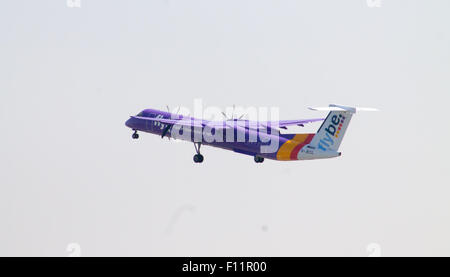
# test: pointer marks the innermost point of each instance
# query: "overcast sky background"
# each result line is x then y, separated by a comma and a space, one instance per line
70, 172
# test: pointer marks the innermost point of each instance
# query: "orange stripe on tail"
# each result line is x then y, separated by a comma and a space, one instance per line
294, 152
289, 150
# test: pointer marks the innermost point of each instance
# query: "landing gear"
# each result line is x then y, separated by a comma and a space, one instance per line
259, 159
135, 135
198, 158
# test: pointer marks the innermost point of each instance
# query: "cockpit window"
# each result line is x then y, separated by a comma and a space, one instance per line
140, 114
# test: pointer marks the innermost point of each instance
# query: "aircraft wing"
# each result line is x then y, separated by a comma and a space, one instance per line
258, 124
189, 122
283, 123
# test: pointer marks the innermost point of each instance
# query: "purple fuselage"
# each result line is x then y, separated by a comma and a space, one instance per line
251, 140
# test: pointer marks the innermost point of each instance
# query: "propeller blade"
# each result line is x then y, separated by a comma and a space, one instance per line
225, 115
168, 127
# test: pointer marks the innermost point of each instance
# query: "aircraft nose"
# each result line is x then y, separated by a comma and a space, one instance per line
129, 123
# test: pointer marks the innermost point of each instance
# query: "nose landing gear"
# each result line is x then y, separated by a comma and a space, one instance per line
135, 135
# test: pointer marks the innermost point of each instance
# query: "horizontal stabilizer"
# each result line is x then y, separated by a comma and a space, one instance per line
333, 107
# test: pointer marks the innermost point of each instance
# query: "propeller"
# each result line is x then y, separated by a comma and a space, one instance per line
232, 114
168, 109
242, 116
169, 126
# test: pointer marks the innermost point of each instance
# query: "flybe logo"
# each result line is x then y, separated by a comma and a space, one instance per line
331, 132
157, 123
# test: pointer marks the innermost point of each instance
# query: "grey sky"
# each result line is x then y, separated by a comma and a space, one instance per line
70, 77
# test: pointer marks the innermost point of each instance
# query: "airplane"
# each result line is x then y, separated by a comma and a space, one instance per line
262, 140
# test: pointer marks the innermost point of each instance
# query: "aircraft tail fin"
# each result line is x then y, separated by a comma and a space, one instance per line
331, 132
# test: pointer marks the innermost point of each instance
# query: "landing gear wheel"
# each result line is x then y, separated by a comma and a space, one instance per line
135, 135
198, 158
259, 159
